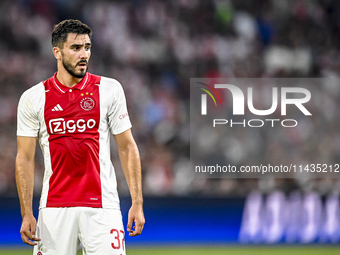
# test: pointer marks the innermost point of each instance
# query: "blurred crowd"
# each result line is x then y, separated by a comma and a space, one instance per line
153, 48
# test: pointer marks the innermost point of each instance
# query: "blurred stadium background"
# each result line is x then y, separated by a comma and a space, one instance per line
153, 48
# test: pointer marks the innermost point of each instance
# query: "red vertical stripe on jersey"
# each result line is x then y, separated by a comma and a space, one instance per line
72, 117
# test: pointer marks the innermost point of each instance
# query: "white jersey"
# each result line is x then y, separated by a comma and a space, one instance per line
73, 126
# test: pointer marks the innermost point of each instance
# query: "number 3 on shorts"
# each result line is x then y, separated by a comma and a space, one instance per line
116, 244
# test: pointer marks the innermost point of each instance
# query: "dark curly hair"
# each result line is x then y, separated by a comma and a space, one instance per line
61, 30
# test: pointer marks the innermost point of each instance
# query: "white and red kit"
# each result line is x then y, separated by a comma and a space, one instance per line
73, 126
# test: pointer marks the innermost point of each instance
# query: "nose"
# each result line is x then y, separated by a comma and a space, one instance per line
83, 53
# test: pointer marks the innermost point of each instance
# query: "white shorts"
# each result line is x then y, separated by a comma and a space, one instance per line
61, 230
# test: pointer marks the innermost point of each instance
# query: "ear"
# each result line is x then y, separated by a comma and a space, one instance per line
57, 53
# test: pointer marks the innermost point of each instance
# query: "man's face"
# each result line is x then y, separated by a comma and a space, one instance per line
76, 54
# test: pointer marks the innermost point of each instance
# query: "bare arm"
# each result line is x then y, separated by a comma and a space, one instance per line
24, 175
130, 160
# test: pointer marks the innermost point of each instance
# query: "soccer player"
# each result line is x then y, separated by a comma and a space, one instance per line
72, 115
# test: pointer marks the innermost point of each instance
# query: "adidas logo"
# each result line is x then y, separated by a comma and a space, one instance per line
57, 108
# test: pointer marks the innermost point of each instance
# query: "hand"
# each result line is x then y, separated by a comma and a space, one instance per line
27, 230
136, 215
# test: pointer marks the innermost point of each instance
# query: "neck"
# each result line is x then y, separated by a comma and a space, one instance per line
65, 78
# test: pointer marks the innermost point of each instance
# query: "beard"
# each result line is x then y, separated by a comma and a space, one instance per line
72, 69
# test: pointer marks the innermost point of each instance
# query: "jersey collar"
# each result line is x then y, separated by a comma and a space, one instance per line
63, 89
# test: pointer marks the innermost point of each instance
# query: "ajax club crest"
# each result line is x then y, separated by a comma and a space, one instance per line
87, 103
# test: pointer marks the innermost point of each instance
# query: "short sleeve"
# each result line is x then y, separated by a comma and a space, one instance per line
118, 117
27, 119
